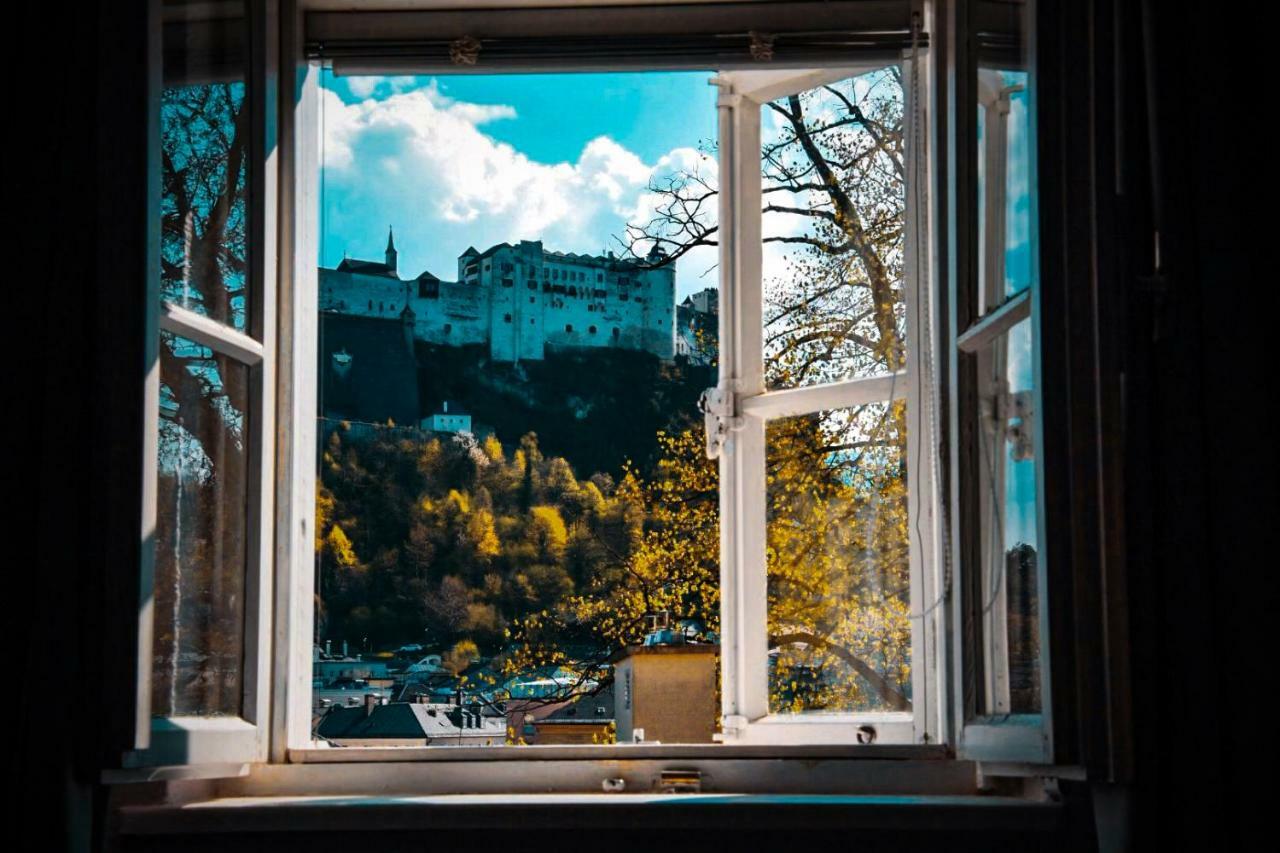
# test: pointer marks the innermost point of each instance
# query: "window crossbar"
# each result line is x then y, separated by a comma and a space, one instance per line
850, 392
986, 329
210, 333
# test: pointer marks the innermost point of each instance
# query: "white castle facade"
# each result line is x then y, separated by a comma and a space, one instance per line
521, 300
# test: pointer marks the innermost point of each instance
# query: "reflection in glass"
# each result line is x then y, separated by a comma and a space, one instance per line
838, 568
204, 133
834, 204
1007, 448
1005, 220
200, 532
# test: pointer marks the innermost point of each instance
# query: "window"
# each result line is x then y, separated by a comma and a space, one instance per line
1000, 528
820, 418
208, 498
835, 604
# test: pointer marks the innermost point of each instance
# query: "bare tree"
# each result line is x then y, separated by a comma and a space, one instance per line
834, 188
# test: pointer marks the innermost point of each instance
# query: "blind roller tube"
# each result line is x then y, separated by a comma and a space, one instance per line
681, 36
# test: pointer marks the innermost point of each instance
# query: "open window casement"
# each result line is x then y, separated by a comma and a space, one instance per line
204, 621
1002, 610
861, 666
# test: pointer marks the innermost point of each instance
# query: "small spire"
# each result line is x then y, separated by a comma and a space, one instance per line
391, 249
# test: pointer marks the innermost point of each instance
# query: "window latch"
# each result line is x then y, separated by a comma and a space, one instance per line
679, 782
718, 407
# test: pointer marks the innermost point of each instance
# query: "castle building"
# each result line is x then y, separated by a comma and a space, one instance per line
521, 300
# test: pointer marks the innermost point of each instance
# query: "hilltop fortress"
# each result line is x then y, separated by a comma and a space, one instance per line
521, 300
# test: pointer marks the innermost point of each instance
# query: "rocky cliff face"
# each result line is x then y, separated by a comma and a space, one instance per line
597, 408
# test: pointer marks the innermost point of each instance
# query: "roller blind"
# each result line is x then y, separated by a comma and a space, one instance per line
719, 35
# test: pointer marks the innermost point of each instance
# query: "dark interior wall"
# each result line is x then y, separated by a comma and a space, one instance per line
1199, 452
76, 142
1192, 443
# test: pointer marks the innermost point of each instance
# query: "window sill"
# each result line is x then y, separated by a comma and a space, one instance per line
319, 814
624, 751
723, 772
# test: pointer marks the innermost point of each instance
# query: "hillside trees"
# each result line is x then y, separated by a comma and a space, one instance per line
454, 539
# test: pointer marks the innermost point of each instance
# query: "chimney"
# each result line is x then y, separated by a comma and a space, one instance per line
446, 407
344, 648
328, 648
370, 702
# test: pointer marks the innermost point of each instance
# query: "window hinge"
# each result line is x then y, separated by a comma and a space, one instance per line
1010, 412
731, 725
1020, 406
718, 406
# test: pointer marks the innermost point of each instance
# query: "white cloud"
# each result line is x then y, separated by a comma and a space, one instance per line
420, 160
363, 87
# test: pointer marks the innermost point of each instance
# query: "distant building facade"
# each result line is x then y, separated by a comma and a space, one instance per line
666, 693
705, 301
448, 420
521, 300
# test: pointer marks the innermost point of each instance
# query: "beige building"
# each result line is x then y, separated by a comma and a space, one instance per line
666, 693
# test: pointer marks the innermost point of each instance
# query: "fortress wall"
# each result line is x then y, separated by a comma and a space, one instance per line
361, 295
458, 315
551, 301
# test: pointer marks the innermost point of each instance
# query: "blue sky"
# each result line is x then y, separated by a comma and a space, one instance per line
453, 161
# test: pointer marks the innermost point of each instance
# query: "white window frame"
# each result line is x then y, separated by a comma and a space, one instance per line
741, 406
279, 625
982, 345
220, 744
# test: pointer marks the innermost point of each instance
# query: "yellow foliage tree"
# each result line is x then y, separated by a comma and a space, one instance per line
338, 547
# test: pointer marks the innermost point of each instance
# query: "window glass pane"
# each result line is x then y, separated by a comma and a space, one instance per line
204, 133
1005, 164
838, 568
200, 532
1009, 606
517, 523
834, 206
